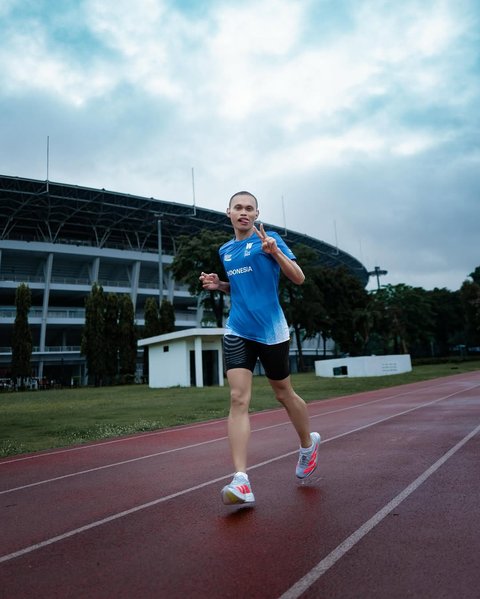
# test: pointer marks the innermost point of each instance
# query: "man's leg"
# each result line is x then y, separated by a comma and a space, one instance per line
240, 381
297, 411
296, 408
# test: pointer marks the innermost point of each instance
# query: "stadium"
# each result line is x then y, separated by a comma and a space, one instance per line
59, 239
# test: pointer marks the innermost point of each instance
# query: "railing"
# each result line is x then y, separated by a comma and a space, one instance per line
22, 278
57, 349
38, 313
70, 281
74, 281
49, 349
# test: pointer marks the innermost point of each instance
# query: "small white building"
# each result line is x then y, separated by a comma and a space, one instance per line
189, 358
364, 366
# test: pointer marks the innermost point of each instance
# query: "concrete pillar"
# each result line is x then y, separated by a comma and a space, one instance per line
134, 279
221, 381
198, 362
47, 270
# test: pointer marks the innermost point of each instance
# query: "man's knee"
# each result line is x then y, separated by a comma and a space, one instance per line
283, 394
239, 399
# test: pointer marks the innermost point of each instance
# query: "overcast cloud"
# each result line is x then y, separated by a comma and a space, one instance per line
362, 115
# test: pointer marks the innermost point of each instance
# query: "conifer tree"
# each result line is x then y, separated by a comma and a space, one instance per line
167, 317
94, 344
22, 335
111, 336
151, 329
127, 340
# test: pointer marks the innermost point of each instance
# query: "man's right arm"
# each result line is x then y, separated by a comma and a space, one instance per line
211, 282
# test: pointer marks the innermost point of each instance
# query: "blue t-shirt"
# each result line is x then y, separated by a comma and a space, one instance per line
255, 311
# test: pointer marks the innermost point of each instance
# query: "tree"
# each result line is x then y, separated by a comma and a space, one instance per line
406, 319
22, 335
196, 255
127, 335
345, 302
471, 301
94, 345
448, 320
166, 317
111, 336
151, 329
380, 324
470, 297
157, 322
152, 318
303, 305
475, 275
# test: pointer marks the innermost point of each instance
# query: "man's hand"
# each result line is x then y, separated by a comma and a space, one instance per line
269, 244
289, 267
210, 281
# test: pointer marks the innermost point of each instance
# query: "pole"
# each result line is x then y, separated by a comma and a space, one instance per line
160, 263
284, 218
336, 237
377, 271
48, 158
193, 191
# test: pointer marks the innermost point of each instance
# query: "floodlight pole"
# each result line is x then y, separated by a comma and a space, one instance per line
193, 192
48, 162
377, 271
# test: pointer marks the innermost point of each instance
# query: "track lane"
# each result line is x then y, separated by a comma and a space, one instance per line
423, 546
190, 516
24, 470
73, 502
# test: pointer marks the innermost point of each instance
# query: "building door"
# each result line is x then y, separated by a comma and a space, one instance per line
210, 367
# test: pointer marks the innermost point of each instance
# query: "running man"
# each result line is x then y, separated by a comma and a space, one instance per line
257, 328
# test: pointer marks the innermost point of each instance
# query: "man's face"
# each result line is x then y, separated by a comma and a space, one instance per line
243, 212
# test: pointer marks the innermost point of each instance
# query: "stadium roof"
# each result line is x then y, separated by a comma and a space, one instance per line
35, 210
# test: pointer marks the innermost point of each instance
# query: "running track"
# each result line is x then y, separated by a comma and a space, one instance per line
392, 512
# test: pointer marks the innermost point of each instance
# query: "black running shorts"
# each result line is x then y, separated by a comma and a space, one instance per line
243, 353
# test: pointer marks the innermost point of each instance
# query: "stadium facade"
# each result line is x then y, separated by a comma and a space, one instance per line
59, 239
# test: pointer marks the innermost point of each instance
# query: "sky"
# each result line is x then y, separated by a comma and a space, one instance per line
356, 122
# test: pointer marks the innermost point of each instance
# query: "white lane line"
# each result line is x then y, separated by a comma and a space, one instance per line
332, 558
182, 448
174, 429
185, 447
143, 506
163, 431
112, 518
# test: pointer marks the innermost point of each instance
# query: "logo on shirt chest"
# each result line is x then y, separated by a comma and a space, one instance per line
248, 248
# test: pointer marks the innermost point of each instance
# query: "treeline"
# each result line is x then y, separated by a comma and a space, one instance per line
395, 319
109, 337
332, 303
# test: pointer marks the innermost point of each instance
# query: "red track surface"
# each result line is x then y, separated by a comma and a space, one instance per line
392, 512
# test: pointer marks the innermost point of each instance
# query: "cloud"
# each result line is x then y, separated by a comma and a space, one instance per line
360, 113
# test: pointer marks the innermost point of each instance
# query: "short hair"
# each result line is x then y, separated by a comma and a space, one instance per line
243, 193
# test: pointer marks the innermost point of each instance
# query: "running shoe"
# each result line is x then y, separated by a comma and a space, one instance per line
308, 460
238, 491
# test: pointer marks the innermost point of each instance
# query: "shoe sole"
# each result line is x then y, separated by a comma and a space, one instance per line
229, 497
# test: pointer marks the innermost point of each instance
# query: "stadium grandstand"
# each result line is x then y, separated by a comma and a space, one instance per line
59, 239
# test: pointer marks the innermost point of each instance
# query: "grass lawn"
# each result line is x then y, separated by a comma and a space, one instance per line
36, 420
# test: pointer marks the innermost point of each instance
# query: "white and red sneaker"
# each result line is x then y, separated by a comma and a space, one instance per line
308, 459
238, 491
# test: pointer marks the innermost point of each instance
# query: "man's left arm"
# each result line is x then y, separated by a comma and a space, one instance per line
289, 267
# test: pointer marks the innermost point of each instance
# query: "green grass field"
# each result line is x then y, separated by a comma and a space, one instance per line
36, 420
